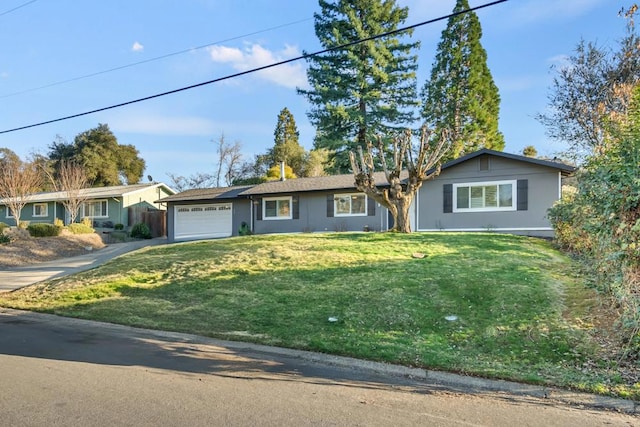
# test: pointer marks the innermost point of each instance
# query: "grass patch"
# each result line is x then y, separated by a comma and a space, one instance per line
519, 304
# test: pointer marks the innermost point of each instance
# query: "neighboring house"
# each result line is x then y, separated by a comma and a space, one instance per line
105, 206
484, 191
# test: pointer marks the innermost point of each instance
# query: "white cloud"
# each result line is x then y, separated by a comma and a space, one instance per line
137, 47
289, 75
161, 125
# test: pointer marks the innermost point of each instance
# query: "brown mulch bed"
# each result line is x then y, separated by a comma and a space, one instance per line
26, 250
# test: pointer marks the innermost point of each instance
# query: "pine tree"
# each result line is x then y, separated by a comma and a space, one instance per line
461, 95
287, 148
365, 89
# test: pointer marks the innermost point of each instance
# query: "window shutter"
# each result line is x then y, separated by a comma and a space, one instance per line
447, 196
329, 205
259, 209
295, 209
523, 194
371, 206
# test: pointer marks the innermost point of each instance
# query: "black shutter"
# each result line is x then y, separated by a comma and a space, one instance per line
329, 205
447, 196
259, 210
371, 206
523, 194
295, 209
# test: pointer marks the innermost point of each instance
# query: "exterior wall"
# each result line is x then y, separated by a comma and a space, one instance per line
241, 213
313, 217
147, 196
27, 214
543, 190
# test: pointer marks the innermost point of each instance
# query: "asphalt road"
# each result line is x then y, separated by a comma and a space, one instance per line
65, 372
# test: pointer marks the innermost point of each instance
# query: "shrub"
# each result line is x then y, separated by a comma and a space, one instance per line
4, 238
58, 222
43, 230
80, 228
23, 225
141, 231
3, 226
87, 221
118, 227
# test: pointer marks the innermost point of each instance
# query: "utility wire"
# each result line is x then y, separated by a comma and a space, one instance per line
97, 73
17, 7
253, 70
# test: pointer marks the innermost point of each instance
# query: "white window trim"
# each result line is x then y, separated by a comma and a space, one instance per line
276, 218
7, 213
514, 195
84, 208
335, 208
46, 210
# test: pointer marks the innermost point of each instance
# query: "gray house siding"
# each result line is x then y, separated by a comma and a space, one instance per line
314, 212
536, 189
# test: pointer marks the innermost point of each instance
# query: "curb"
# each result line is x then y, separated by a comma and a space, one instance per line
443, 380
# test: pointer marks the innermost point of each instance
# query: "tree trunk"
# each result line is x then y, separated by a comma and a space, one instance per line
403, 221
401, 218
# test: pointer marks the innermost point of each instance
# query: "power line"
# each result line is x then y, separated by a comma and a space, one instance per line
97, 73
253, 70
17, 7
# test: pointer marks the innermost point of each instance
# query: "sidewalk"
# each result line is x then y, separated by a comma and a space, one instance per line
18, 277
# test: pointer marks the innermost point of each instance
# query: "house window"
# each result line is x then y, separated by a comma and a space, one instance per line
485, 196
40, 209
277, 208
350, 204
8, 212
95, 209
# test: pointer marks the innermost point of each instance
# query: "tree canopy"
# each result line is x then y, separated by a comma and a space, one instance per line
286, 147
365, 89
461, 96
105, 161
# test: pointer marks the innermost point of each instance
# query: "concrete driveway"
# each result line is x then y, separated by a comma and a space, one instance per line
18, 277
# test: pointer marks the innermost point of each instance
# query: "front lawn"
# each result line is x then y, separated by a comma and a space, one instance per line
492, 305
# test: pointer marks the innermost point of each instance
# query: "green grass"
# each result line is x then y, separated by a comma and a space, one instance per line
520, 303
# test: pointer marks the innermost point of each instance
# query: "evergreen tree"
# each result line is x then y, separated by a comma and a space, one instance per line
105, 161
365, 89
287, 148
461, 96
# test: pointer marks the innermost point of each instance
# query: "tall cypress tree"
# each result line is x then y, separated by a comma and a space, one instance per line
287, 148
461, 96
365, 89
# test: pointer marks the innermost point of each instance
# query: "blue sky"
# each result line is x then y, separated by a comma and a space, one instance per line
49, 41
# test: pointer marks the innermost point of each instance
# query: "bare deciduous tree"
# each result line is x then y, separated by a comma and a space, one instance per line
18, 182
197, 180
229, 157
71, 179
420, 161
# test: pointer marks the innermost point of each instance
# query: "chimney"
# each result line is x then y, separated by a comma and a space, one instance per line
282, 177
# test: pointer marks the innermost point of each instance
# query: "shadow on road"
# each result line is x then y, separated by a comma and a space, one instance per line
50, 337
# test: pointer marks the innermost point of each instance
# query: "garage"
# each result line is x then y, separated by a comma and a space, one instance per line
204, 221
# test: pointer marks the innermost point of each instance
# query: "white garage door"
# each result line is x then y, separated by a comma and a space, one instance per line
202, 221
